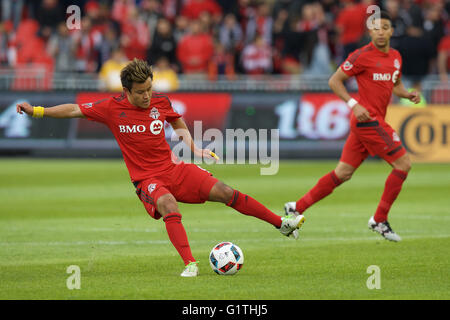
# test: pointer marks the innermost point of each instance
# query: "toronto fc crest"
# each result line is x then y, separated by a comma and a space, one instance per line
154, 113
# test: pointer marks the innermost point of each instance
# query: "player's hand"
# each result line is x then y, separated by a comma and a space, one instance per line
24, 107
361, 113
207, 154
414, 96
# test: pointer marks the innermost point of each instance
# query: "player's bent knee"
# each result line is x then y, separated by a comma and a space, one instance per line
226, 193
403, 164
221, 193
406, 167
344, 171
167, 204
344, 175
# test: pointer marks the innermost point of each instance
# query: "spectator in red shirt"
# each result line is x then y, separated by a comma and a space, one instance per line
195, 50
120, 10
257, 57
194, 8
135, 36
350, 25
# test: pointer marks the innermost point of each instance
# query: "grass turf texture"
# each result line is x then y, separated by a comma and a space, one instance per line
57, 213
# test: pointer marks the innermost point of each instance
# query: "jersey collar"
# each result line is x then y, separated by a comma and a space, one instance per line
378, 50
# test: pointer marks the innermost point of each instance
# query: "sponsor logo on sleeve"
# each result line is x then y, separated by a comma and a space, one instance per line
347, 65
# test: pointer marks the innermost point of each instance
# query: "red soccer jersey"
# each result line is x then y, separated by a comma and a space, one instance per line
376, 73
139, 132
351, 21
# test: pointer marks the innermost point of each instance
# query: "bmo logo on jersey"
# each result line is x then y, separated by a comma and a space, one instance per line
155, 128
131, 129
386, 76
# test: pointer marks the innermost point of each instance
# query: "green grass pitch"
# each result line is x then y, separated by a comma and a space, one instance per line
57, 213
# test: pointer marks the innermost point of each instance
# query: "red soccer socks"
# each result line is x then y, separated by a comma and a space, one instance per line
323, 188
178, 237
392, 188
250, 207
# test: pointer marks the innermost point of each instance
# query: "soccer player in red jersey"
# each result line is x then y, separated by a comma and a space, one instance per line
136, 118
377, 69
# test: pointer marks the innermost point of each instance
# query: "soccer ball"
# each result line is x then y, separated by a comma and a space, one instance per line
226, 258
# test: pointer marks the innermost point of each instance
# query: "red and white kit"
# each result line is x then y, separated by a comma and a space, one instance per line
153, 168
376, 73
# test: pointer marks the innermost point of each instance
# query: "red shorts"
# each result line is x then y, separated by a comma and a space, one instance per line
374, 138
188, 183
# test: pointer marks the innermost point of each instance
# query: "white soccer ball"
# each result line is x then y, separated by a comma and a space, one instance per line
226, 258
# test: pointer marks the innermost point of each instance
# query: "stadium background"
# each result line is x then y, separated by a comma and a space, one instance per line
250, 64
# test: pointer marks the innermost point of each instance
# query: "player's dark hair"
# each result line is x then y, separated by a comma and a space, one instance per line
135, 71
385, 15
380, 15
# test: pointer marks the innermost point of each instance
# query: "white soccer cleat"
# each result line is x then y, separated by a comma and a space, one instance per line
384, 229
290, 208
191, 270
290, 225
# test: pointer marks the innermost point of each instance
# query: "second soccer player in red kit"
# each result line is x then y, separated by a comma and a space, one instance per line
377, 69
136, 118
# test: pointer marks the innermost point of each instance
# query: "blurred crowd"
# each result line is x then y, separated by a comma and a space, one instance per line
211, 38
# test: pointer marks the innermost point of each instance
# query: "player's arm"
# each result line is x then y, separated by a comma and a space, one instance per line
401, 92
183, 132
69, 110
337, 84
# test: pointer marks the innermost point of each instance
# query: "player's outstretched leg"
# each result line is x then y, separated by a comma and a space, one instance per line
323, 188
247, 205
168, 208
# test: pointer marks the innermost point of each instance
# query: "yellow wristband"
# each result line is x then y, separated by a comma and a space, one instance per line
38, 112
214, 155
